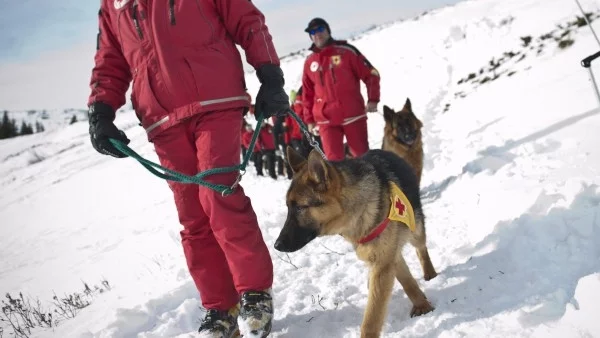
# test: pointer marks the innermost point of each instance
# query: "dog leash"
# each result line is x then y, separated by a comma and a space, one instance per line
172, 175
309, 136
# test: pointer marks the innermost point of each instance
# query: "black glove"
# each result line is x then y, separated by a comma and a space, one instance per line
271, 99
101, 117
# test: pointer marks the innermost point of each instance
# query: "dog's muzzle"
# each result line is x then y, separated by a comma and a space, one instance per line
293, 238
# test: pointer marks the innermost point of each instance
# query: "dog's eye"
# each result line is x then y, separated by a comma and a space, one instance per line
316, 203
301, 207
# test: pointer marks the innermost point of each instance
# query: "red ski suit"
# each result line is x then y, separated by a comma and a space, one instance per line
332, 99
247, 138
293, 131
266, 138
189, 94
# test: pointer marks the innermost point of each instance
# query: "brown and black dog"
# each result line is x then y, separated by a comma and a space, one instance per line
402, 136
373, 201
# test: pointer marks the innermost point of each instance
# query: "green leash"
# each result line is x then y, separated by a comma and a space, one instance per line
172, 175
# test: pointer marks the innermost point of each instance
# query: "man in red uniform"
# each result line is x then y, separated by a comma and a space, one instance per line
189, 94
268, 147
256, 155
331, 92
294, 134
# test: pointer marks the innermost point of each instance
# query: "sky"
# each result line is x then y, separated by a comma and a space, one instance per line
47, 46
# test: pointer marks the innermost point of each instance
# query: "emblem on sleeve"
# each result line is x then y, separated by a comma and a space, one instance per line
314, 66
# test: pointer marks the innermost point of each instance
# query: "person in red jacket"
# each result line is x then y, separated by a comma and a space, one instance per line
189, 93
268, 147
256, 155
294, 135
299, 141
331, 92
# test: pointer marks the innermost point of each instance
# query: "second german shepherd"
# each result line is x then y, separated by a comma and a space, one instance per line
373, 202
402, 136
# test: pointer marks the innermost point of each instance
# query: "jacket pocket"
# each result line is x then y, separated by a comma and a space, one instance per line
319, 110
143, 98
215, 73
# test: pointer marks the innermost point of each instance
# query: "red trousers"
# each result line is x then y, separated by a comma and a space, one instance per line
223, 245
332, 138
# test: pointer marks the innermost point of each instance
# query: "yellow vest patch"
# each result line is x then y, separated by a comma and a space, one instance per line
401, 210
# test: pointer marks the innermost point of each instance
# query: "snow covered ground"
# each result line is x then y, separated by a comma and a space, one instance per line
510, 191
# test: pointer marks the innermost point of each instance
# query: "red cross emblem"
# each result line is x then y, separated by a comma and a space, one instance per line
400, 207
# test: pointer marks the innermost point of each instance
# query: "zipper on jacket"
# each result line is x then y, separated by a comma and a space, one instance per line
134, 16
321, 77
333, 73
172, 12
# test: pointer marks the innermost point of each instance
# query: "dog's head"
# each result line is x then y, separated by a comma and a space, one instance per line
403, 125
313, 201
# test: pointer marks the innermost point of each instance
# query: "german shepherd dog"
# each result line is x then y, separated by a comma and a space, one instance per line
354, 198
402, 136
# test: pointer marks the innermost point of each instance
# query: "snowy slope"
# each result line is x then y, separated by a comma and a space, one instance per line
510, 191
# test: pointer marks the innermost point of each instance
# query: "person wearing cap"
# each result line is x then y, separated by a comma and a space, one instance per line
332, 100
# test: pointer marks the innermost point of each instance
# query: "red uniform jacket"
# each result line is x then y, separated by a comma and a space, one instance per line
247, 137
293, 131
266, 138
181, 56
331, 84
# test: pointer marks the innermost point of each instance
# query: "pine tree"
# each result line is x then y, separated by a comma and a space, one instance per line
13, 130
26, 129
39, 127
5, 126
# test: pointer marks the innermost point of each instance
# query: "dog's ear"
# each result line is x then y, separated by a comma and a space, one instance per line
295, 160
317, 168
388, 113
407, 105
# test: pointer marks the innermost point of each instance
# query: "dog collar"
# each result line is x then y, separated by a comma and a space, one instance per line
400, 210
376, 232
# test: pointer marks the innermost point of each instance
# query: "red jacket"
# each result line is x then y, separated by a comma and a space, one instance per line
180, 55
266, 138
331, 84
293, 131
247, 137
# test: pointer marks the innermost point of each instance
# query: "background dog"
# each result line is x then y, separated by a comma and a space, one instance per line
402, 136
355, 198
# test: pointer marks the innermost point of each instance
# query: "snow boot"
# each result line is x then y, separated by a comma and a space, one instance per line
256, 314
220, 324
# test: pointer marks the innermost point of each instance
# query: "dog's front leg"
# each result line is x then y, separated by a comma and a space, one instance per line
381, 283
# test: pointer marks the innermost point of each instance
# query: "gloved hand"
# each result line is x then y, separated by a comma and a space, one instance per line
101, 117
271, 99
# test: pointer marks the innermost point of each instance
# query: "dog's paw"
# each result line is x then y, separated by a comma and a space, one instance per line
418, 310
429, 275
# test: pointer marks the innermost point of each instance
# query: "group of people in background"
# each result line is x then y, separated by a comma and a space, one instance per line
329, 102
276, 133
